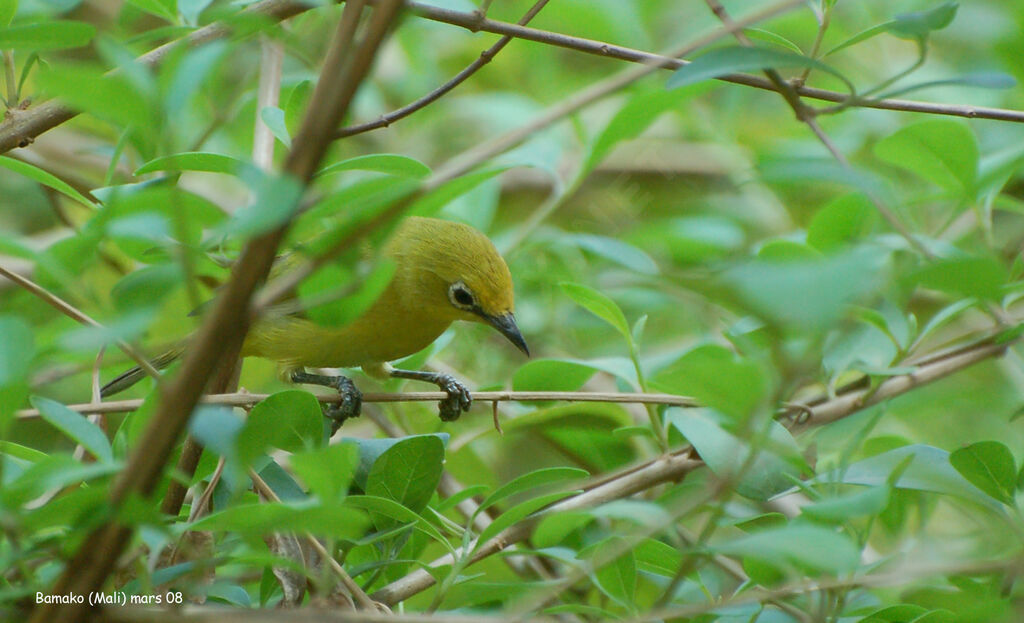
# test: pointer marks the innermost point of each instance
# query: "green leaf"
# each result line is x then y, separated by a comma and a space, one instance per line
273, 117
631, 120
391, 164
17, 348
978, 79
191, 9
551, 375
146, 287
36, 174
981, 277
55, 472
941, 151
929, 470
944, 316
802, 296
921, 23
327, 471
193, 161
771, 37
771, 472
531, 480
599, 305
277, 199
397, 512
290, 420
616, 577
871, 501
8, 8
732, 59
338, 313
47, 35
408, 472
656, 557
465, 494
521, 511
430, 203
76, 426
21, 452
554, 527
787, 251
614, 250
841, 222
716, 377
112, 97
269, 517
372, 449
988, 465
803, 546
863, 35
159, 8
191, 72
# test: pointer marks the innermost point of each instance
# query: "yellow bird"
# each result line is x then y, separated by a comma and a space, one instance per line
444, 272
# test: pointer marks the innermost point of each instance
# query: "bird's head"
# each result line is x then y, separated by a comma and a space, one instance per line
461, 275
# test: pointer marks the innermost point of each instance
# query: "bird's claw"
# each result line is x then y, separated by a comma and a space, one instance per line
458, 400
350, 406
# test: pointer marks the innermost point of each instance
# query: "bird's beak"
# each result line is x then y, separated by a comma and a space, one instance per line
506, 325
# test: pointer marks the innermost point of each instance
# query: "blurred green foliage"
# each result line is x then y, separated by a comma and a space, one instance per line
679, 235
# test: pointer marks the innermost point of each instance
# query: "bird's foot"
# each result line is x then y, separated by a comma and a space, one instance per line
458, 400
350, 405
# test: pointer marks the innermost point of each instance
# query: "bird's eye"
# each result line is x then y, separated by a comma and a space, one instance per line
460, 296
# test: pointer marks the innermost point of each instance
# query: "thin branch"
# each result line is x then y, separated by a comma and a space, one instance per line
471, 21
485, 57
74, 313
357, 593
663, 469
271, 63
246, 400
806, 115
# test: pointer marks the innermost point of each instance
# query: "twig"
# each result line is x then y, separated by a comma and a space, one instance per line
243, 399
74, 313
485, 57
807, 115
663, 469
271, 61
471, 22
358, 595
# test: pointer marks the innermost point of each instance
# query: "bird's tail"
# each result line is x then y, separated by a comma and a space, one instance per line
130, 377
